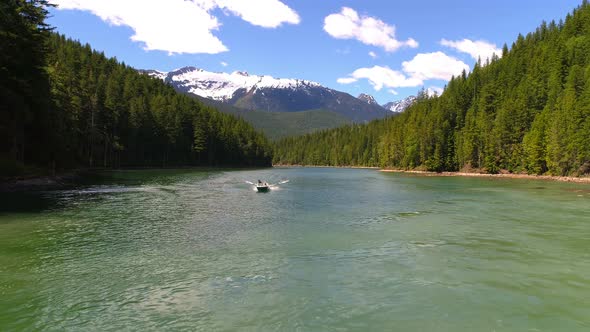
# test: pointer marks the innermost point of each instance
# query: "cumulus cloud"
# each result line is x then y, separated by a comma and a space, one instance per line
181, 26
264, 13
368, 30
478, 49
223, 63
373, 54
437, 65
379, 77
423, 67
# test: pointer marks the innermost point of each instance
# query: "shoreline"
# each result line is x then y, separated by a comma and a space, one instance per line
571, 179
67, 179
585, 180
320, 166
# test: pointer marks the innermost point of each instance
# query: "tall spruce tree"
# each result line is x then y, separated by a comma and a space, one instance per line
26, 114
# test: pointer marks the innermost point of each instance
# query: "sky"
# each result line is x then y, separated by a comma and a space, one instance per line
389, 49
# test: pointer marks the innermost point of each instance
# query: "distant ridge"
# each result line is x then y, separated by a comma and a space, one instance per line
266, 93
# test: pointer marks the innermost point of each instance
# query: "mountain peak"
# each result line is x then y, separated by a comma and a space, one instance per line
266, 93
367, 99
400, 105
186, 69
223, 86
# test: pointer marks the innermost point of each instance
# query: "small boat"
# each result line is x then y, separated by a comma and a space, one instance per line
262, 186
265, 186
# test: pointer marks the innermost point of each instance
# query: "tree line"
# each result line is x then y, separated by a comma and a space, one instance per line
65, 105
526, 111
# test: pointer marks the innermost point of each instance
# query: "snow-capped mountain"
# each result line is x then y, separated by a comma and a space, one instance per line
367, 99
266, 93
400, 105
223, 86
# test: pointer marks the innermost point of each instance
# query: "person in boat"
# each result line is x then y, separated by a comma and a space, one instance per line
259, 182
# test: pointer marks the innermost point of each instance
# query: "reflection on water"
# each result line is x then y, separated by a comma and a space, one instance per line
334, 249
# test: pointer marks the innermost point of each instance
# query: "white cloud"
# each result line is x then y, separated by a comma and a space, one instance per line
369, 30
477, 49
393, 92
264, 13
434, 90
223, 63
181, 26
379, 77
423, 67
437, 65
373, 54
346, 80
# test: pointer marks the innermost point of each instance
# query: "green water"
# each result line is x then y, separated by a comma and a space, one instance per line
333, 250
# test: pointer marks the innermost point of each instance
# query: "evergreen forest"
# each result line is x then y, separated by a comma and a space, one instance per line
526, 110
64, 105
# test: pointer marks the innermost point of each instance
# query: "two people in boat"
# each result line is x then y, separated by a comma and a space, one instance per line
260, 184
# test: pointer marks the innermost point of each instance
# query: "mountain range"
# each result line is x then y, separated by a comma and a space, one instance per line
265, 94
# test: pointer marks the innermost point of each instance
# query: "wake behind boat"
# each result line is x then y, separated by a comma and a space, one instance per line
265, 186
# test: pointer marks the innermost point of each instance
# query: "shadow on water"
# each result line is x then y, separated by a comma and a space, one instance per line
38, 198
26, 202
35, 199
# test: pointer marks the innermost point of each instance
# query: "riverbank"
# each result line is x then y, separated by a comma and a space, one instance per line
71, 178
503, 175
320, 166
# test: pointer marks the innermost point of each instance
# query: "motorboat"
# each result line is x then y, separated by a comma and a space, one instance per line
262, 186
265, 186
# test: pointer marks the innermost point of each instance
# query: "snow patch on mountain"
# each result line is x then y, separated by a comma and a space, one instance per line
157, 74
222, 86
400, 105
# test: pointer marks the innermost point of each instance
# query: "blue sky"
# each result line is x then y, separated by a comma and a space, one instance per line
389, 49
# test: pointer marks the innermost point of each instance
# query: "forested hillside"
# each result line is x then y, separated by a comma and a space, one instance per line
528, 111
65, 105
277, 125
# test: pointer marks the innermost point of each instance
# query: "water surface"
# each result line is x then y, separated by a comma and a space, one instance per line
333, 250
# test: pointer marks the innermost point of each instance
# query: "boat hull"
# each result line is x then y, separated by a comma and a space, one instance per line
262, 189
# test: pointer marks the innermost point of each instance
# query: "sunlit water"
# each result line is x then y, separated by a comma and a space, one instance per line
333, 250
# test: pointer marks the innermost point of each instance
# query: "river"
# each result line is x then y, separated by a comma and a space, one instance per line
332, 250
